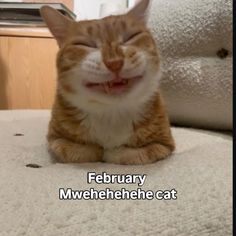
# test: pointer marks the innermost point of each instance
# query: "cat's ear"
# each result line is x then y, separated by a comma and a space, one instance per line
57, 23
140, 10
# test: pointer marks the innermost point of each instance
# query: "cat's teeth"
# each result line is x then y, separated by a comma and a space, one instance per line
106, 87
125, 81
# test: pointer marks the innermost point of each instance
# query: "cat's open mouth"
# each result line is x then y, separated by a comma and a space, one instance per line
115, 86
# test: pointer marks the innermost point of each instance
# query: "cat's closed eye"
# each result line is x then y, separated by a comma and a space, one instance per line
132, 36
84, 44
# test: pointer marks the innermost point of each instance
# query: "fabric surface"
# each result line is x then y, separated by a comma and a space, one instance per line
200, 171
194, 38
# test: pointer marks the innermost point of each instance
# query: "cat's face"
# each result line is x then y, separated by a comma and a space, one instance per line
107, 61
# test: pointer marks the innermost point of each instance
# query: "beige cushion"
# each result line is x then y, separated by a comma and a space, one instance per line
200, 171
196, 82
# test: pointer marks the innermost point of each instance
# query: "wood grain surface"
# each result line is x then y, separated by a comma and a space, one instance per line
27, 72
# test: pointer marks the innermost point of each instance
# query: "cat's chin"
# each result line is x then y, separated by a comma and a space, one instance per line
113, 87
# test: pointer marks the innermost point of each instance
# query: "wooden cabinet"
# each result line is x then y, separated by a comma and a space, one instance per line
27, 68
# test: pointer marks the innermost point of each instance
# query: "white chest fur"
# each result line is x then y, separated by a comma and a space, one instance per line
110, 130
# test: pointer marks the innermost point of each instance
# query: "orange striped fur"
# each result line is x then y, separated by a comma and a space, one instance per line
108, 106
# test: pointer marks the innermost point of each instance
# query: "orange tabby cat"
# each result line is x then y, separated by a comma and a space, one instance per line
108, 106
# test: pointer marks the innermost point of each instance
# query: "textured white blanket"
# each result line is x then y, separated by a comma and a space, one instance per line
195, 39
200, 171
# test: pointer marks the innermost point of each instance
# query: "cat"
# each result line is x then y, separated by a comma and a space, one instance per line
108, 106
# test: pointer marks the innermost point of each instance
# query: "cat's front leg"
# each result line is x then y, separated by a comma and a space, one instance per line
70, 152
137, 156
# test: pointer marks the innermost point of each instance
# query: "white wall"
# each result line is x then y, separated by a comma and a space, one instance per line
89, 9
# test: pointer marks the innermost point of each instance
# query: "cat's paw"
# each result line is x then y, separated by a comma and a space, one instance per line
137, 156
69, 152
126, 156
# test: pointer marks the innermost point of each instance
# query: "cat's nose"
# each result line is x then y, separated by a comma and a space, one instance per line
114, 65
